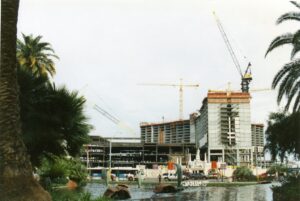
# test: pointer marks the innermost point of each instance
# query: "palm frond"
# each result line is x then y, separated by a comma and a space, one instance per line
296, 107
36, 55
295, 3
279, 41
281, 73
287, 79
293, 75
296, 44
295, 91
288, 16
281, 90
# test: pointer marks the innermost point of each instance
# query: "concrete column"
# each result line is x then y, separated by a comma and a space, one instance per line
237, 157
251, 157
208, 155
156, 150
198, 154
223, 155
143, 153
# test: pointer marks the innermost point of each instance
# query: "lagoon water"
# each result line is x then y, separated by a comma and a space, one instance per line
261, 192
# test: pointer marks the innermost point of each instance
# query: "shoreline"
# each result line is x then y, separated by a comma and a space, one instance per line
153, 182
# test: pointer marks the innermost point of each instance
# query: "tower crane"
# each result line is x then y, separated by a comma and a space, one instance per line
229, 90
180, 86
115, 120
246, 77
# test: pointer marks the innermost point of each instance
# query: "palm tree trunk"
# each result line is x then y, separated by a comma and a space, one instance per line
16, 178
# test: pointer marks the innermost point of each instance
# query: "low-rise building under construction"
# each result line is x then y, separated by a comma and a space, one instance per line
173, 132
130, 153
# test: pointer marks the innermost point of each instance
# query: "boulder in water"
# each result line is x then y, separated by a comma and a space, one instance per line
120, 192
165, 188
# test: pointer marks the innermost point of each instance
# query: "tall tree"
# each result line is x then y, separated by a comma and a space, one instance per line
283, 135
16, 178
288, 78
53, 119
36, 56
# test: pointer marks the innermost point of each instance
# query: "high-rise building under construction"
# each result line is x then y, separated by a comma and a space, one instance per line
223, 128
257, 131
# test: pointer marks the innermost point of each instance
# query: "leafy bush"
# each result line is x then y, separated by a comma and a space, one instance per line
243, 174
53, 167
77, 171
288, 191
60, 169
280, 169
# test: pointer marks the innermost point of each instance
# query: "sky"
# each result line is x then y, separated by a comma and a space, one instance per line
108, 47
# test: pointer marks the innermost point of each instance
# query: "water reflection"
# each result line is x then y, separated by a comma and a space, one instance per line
243, 193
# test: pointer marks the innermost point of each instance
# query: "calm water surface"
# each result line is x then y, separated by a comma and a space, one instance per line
261, 192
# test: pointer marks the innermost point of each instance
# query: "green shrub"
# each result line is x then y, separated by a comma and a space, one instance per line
77, 171
60, 169
243, 174
280, 169
53, 167
288, 191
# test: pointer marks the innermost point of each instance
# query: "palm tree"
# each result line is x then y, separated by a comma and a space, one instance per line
288, 78
36, 56
16, 178
283, 135
53, 119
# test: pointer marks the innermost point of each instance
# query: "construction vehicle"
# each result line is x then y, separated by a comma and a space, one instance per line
180, 85
246, 77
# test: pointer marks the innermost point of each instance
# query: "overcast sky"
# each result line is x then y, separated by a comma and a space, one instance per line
107, 47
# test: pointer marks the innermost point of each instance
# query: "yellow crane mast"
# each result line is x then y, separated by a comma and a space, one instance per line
180, 86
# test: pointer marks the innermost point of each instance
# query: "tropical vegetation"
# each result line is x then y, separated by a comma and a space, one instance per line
283, 135
283, 131
53, 119
288, 191
36, 56
16, 180
277, 169
35, 115
243, 174
288, 78
60, 169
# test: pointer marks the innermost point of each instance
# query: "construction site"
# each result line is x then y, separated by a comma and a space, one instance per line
218, 134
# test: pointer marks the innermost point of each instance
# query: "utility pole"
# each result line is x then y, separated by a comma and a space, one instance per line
110, 154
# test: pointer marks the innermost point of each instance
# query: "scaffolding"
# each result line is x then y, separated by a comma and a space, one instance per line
223, 128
